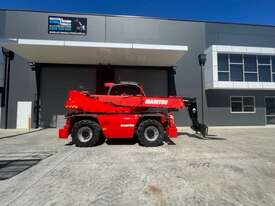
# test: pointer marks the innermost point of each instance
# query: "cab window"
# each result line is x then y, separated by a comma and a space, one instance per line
125, 90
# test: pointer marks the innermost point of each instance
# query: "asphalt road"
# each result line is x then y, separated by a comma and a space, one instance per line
231, 167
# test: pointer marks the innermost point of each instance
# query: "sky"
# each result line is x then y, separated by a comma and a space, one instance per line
236, 11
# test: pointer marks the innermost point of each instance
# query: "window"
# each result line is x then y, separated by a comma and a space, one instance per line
223, 62
263, 59
273, 63
251, 77
248, 104
264, 73
242, 104
125, 90
250, 63
236, 67
223, 76
248, 68
236, 72
223, 67
236, 58
236, 104
273, 68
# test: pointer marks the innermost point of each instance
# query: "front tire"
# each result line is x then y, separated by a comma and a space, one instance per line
150, 133
86, 133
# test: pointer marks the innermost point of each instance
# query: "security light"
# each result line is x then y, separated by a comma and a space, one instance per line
202, 59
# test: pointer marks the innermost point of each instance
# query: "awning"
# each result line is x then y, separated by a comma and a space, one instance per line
106, 53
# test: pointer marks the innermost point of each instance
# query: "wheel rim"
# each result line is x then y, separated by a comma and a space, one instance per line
151, 133
85, 134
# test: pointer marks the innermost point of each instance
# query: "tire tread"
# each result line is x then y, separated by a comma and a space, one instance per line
96, 133
140, 133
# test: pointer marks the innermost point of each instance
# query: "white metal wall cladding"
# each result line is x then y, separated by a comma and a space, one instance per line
80, 52
211, 68
24, 111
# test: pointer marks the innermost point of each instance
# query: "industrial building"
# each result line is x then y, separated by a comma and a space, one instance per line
46, 54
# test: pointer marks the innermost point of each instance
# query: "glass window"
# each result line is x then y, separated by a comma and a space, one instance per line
125, 90
223, 76
132, 90
236, 106
236, 58
263, 59
250, 63
273, 63
236, 99
242, 104
248, 109
223, 62
251, 77
270, 106
236, 72
248, 101
264, 73
117, 90
247, 67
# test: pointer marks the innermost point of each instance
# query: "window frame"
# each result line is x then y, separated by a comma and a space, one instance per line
238, 64
265, 64
271, 65
229, 63
266, 115
242, 101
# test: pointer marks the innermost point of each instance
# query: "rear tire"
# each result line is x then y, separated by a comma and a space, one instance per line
86, 133
150, 133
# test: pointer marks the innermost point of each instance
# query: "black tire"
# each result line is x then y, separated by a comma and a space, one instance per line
86, 133
150, 133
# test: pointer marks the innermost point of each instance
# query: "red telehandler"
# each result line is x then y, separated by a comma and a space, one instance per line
125, 112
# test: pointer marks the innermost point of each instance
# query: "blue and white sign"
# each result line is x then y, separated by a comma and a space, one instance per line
67, 25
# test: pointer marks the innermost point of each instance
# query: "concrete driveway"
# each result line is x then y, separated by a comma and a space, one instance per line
232, 167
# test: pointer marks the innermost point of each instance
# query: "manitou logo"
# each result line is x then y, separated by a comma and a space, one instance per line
156, 101
127, 125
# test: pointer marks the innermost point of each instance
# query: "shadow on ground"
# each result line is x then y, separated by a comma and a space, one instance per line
208, 137
168, 141
121, 141
24, 133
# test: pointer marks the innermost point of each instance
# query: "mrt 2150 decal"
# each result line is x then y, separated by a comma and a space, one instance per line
67, 25
156, 101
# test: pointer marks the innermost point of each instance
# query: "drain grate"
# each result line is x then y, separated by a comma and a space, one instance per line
14, 164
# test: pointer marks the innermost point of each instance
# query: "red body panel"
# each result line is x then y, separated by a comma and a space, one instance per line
171, 129
118, 116
119, 104
123, 125
118, 125
65, 131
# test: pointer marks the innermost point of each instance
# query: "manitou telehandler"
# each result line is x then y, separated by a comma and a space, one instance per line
125, 112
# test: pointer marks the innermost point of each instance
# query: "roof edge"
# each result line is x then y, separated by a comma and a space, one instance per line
132, 16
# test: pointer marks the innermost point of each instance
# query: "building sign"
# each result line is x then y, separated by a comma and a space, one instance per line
67, 25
